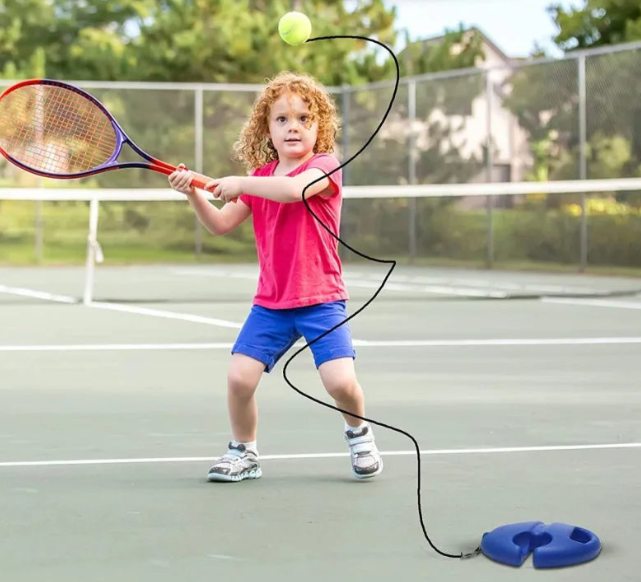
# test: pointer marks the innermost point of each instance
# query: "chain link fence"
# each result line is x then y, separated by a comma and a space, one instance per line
578, 117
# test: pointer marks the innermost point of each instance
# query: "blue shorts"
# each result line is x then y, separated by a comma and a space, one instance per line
269, 333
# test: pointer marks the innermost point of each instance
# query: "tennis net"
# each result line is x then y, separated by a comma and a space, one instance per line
145, 245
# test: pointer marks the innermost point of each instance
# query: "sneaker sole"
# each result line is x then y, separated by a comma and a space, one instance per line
369, 475
253, 474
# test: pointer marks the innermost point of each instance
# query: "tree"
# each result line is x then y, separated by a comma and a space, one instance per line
231, 41
456, 49
597, 23
81, 40
218, 41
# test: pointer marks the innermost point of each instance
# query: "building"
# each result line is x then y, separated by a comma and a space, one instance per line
467, 120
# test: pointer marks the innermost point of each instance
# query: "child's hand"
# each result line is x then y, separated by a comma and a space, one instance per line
227, 189
181, 180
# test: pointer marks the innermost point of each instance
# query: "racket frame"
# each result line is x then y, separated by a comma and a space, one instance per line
121, 138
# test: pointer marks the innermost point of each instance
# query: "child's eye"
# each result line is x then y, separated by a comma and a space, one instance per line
280, 118
304, 118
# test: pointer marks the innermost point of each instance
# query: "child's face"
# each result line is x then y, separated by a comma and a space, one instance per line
290, 127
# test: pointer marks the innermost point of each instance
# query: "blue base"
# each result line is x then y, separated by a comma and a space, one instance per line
553, 546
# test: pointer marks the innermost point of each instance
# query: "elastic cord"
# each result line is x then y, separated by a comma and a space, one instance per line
376, 260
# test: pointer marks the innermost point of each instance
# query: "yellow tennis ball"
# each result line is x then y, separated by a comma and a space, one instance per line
294, 28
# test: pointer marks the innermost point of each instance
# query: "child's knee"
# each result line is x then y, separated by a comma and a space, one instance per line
341, 388
240, 384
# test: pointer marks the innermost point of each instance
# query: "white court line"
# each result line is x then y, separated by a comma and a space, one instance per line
356, 342
595, 302
495, 284
165, 314
220, 273
434, 289
114, 347
356, 282
123, 308
448, 286
37, 294
149, 460
501, 342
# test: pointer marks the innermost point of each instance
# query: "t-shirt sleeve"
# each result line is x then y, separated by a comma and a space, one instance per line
246, 198
327, 163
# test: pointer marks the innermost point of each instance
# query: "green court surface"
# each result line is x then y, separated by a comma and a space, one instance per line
523, 391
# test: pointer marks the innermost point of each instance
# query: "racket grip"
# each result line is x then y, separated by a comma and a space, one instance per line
199, 182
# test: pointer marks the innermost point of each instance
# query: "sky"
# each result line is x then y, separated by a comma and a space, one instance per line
513, 25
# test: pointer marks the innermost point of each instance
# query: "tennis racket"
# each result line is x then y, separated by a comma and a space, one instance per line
56, 130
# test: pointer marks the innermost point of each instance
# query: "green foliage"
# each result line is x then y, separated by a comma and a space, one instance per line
597, 23
527, 236
231, 41
81, 40
236, 41
139, 232
456, 49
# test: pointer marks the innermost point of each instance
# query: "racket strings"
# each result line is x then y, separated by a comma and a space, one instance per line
55, 130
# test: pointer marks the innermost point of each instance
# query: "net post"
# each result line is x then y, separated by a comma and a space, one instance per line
92, 247
489, 166
583, 166
39, 238
39, 224
411, 170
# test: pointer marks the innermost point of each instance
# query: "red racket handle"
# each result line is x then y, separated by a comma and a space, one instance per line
199, 180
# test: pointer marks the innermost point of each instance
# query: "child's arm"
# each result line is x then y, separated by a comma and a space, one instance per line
278, 188
216, 221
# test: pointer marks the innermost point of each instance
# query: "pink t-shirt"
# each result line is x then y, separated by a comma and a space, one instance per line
298, 258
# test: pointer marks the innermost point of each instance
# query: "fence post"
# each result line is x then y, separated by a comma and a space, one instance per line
583, 166
38, 225
345, 98
39, 238
489, 166
198, 139
411, 170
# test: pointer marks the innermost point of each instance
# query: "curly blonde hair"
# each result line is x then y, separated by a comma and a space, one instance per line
254, 148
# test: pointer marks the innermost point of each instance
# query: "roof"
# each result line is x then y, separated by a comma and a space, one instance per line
436, 39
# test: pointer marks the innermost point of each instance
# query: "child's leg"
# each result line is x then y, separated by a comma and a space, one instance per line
242, 380
241, 459
339, 378
265, 337
334, 356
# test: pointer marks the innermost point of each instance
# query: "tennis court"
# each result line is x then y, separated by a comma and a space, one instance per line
522, 390
118, 312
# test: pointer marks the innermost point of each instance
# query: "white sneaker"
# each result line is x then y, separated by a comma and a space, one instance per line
366, 459
236, 464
